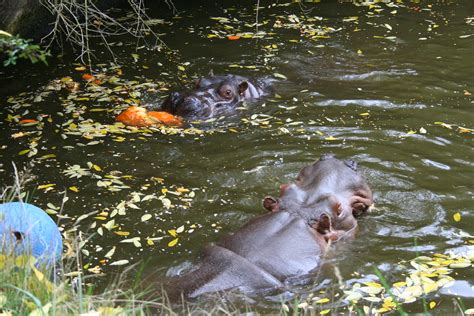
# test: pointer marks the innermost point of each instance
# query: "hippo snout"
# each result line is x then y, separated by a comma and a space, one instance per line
189, 106
171, 102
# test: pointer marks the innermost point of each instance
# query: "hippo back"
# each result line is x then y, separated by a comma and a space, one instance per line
281, 244
261, 255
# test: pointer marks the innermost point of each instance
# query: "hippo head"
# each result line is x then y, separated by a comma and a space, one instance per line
329, 191
211, 97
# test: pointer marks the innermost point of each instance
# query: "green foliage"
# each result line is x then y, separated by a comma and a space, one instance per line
15, 47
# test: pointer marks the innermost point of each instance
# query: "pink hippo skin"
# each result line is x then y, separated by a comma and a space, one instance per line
288, 241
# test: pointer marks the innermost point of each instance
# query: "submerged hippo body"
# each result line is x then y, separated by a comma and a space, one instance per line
288, 241
213, 96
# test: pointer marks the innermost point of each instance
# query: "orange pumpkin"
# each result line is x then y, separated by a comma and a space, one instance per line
134, 116
138, 116
165, 118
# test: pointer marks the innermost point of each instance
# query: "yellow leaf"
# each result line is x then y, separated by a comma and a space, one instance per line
45, 186
172, 232
23, 152
324, 312
330, 138
457, 217
38, 274
96, 168
432, 304
173, 242
373, 284
182, 190
322, 301
122, 233
150, 242
364, 114
464, 130
74, 189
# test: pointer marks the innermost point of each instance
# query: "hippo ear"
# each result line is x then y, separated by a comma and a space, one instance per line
244, 85
323, 224
327, 156
351, 164
271, 204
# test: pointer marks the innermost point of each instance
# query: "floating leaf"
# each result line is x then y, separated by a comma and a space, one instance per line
458, 265
322, 301
122, 233
45, 186
180, 229
233, 37
457, 217
166, 202
280, 76
74, 189
146, 217
173, 242
119, 262
110, 253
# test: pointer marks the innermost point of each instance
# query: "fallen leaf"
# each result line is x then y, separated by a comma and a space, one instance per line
233, 37
457, 217
173, 242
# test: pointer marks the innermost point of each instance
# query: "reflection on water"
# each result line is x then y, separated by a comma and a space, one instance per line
395, 98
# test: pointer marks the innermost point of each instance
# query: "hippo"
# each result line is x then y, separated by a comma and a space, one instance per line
289, 240
213, 97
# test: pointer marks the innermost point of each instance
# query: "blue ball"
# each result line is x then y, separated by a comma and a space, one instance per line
27, 229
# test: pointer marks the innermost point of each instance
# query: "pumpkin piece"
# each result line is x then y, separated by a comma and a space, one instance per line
165, 118
135, 116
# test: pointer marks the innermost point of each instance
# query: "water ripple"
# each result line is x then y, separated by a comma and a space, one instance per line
371, 103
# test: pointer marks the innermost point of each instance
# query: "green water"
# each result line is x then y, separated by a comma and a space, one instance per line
355, 93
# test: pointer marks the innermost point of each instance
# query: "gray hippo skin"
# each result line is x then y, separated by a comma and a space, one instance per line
288, 241
212, 97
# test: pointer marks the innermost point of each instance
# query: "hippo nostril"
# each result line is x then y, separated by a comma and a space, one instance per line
18, 235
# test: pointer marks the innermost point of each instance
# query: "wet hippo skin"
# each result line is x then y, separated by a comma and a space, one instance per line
289, 240
213, 96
